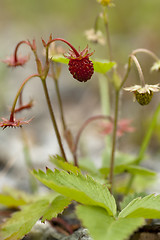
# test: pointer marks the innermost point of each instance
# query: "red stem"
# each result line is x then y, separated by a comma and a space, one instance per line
16, 49
85, 124
62, 40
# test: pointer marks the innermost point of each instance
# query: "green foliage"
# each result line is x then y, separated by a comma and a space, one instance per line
60, 58
22, 221
100, 65
148, 136
10, 201
138, 170
127, 199
77, 187
147, 207
102, 226
121, 161
56, 206
13, 198
60, 163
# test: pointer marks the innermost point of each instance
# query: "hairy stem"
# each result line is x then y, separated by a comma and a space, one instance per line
18, 94
53, 119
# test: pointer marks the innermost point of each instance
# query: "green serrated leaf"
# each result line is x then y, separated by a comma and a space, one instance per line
22, 221
147, 207
127, 199
78, 187
102, 226
60, 163
55, 207
138, 170
102, 65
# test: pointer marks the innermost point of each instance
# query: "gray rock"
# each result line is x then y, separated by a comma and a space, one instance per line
43, 231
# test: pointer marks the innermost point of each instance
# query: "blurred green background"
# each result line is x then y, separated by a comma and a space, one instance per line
133, 24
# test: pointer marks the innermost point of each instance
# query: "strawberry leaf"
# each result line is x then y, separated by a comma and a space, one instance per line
78, 187
102, 226
147, 207
22, 221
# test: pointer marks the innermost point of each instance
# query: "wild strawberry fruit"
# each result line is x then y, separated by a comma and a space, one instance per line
80, 66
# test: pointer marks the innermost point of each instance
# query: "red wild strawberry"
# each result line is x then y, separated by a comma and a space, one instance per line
80, 66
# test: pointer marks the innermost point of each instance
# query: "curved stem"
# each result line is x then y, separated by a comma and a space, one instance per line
127, 73
143, 50
18, 94
111, 173
85, 124
53, 119
16, 49
62, 40
139, 70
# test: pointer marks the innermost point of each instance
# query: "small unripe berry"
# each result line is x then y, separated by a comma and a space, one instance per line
143, 98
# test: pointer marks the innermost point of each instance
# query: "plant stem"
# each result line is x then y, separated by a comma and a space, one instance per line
111, 173
18, 94
117, 93
53, 119
139, 70
16, 49
62, 40
143, 50
85, 124
108, 34
54, 76
144, 145
127, 73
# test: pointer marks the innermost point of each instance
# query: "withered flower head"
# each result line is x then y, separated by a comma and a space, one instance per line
12, 62
124, 126
15, 123
144, 94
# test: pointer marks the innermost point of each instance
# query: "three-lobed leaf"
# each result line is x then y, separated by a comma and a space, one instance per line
147, 207
78, 187
102, 226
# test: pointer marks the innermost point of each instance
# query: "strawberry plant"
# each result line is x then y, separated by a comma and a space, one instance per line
108, 208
